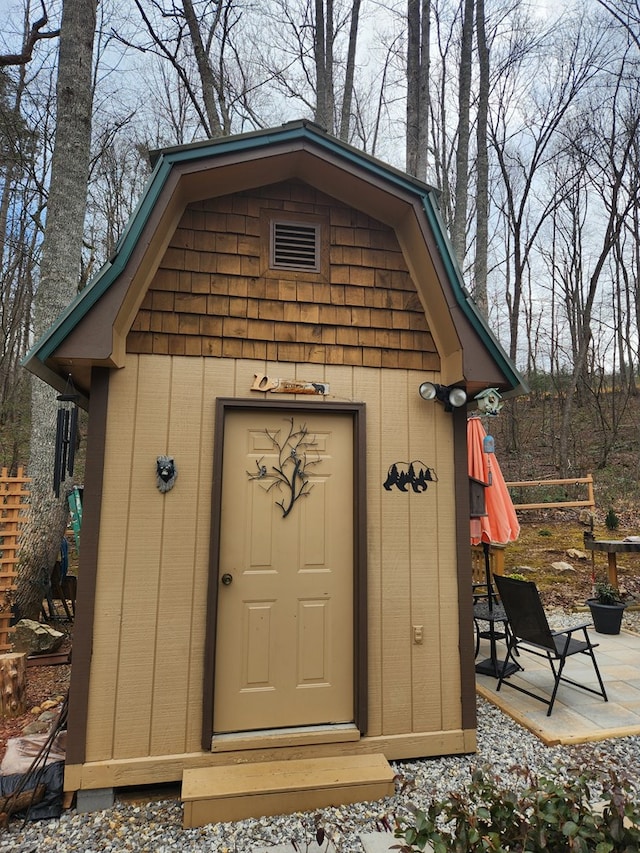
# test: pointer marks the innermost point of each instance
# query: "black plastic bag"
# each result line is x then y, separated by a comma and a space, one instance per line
52, 776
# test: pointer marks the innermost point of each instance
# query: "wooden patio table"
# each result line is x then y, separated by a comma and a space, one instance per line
613, 547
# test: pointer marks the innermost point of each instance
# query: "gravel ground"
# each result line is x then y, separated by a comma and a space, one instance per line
156, 827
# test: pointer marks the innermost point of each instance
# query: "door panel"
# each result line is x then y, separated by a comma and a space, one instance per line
284, 645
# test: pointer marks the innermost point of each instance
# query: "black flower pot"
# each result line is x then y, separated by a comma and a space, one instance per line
607, 618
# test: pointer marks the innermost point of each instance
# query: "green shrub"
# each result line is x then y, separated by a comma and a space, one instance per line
546, 815
611, 519
544, 532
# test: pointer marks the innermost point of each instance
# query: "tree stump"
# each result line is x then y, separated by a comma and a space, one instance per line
13, 684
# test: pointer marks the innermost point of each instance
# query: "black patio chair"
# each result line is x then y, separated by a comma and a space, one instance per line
529, 631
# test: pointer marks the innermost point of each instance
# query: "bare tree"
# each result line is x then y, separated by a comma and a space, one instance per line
627, 14
313, 59
604, 150
59, 276
119, 168
349, 77
418, 59
198, 42
523, 149
323, 54
480, 265
35, 33
210, 85
20, 206
459, 225
444, 57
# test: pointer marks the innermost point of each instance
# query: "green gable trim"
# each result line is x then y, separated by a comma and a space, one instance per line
164, 162
463, 298
105, 277
292, 132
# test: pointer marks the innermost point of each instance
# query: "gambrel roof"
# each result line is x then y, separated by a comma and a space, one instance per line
92, 331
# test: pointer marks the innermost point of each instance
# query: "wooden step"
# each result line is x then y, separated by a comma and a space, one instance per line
238, 791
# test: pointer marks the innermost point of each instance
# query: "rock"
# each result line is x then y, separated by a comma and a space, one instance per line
524, 570
36, 727
34, 638
45, 719
587, 517
47, 716
562, 567
574, 554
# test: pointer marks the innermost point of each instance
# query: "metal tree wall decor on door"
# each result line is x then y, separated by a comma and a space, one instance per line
290, 473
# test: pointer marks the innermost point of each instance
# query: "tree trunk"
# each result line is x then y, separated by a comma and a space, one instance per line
329, 98
413, 64
320, 50
347, 99
59, 277
418, 59
459, 231
482, 189
13, 684
207, 78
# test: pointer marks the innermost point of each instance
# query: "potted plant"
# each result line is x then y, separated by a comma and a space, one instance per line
606, 608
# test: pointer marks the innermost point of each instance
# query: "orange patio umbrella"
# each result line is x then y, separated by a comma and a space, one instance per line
500, 525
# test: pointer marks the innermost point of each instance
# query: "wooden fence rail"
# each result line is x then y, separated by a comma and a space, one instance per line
588, 503
14, 506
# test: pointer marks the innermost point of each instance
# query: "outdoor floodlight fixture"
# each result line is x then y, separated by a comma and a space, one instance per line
449, 395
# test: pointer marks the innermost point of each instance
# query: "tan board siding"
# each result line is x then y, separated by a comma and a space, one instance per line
148, 653
214, 294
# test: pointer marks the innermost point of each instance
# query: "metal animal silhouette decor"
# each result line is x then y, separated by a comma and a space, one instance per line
415, 474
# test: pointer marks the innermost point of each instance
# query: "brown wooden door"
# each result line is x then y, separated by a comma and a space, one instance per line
284, 645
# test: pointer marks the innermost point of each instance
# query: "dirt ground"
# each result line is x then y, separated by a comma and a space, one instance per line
545, 541
43, 683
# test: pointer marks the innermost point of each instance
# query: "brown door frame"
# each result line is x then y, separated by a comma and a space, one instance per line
360, 674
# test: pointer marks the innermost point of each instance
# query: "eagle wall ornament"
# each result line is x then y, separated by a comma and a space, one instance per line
166, 473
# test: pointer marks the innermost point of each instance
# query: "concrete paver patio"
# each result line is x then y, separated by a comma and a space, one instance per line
577, 716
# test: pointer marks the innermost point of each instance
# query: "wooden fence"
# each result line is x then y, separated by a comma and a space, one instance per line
14, 506
566, 503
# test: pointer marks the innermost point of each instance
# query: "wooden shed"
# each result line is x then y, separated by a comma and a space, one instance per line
296, 588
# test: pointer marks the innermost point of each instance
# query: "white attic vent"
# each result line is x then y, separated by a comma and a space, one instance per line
295, 246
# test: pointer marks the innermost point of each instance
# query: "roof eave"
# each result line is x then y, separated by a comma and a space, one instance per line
466, 303
304, 131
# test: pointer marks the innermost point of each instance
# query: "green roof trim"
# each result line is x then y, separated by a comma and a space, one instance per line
164, 161
464, 298
108, 273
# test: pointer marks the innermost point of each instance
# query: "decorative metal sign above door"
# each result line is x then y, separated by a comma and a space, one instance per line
290, 472
288, 386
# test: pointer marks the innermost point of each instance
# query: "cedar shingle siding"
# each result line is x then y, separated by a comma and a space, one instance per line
215, 294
